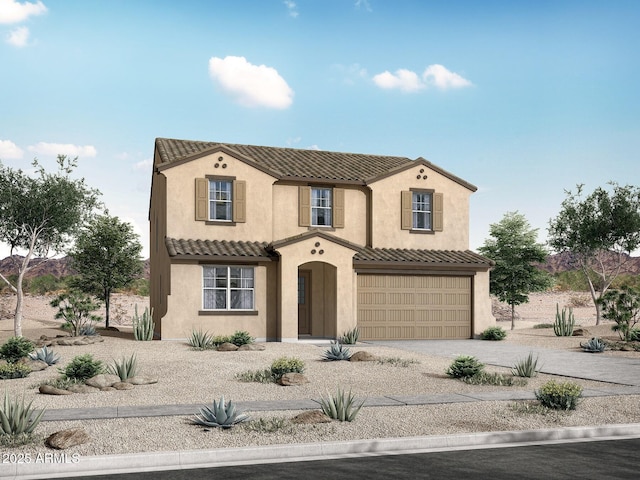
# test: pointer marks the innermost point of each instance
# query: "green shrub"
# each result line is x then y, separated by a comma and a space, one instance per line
527, 367
62, 383
563, 326
14, 370
75, 309
499, 379
595, 345
222, 415
634, 335
82, 367
200, 340
341, 407
125, 368
16, 348
559, 396
16, 418
397, 361
350, 337
239, 338
45, 355
623, 307
493, 333
219, 340
464, 366
259, 376
44, 284
336, 352
283, 365
143, 326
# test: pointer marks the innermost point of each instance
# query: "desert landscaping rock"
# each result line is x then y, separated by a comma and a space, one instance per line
102, 380
51, 390
122, 386
83, 389
292, 379
251, 347
311, 417
67, 438
227, 347
142, 380
580, 332
34, 365
363, 356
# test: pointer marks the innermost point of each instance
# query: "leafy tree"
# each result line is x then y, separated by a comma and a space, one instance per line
39, 215
600, 231
514, 249
107, 257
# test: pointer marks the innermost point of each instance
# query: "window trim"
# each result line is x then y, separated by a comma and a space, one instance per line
418, 191
228, 310
326, 209
231, 201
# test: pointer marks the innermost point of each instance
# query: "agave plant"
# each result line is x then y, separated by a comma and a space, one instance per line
350, 337
595, 345
200, 340
527, 367
341, 406
337, 351
17, 418
124, 368
222, 415
45, 355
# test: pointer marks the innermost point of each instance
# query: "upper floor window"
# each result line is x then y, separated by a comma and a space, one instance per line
421, 210
321, 207
227, 288
220, 200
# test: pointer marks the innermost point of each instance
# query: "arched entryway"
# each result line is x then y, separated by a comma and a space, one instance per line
317, 300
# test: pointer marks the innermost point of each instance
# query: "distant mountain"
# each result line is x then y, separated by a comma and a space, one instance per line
58, 267
563, 262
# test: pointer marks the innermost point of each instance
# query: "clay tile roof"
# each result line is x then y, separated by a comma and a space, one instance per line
216, 248
289, 162
439, 257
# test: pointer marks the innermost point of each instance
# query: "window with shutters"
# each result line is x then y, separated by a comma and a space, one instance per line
422, 211
321, 207
220, 200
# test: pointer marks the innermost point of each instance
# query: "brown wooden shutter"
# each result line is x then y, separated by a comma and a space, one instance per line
406, 216
304, 206
202, 199
338, 207
239, 201
438, 207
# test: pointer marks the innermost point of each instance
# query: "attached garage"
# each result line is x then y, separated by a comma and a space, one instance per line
410, 307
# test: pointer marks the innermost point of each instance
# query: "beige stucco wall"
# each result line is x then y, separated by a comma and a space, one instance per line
181, 206
482, 315
294, 255
185, 302
386, 206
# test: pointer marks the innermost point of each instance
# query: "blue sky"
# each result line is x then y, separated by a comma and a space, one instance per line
523, 99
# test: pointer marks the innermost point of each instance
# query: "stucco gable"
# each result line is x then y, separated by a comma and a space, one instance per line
311, 234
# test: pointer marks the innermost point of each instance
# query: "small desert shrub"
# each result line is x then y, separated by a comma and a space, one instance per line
623, 307
219, 340
16, 348
45, 355
397, 361
62, 382
88, 330
82, 367
350, 337
559, 396
18, 418
499, 379
14, 370
336, 352
200, 340
493, 333
532, 408
240, 338
464, 366
578, 301
595, 345
269, 425
124, 368
341, 406
259, 376
143, 326
527, 367
75, 309
543, 325
634, 335
222, 415
563, 326
283, 365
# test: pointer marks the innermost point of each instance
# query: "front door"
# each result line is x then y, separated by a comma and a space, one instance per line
304, 302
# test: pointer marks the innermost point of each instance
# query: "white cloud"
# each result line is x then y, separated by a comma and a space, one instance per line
405, 80
143, 164
442, 78
10, 151
18, 37
364, 4
409, 81
250, 85
53, 149
291, 6
16, 12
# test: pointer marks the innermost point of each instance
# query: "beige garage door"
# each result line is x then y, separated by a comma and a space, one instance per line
392, 307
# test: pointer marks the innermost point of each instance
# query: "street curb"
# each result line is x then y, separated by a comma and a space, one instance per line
158, 461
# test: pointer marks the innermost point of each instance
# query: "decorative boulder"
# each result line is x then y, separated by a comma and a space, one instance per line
67, 438
83, 389
103, 380
292, 378
51, 390
140, 380
580, 332
363, 356
227, 347
122, 386
251, 347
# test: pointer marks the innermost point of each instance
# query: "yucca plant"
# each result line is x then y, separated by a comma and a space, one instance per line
336, 351
527, 367
350, 337
45, 355
341, 407
16, 418
143, 326
222, 415
563, 326
125, 368
200, 340
595, 345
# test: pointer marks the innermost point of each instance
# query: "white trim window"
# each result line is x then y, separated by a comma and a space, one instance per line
220, 200
227, 288
321, 207
421, 210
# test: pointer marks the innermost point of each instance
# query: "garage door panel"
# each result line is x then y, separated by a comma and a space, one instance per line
433, 306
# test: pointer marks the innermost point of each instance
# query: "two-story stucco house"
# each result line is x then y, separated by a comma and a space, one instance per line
290, 244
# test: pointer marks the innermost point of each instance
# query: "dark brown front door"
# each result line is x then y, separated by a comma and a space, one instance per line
304, 302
